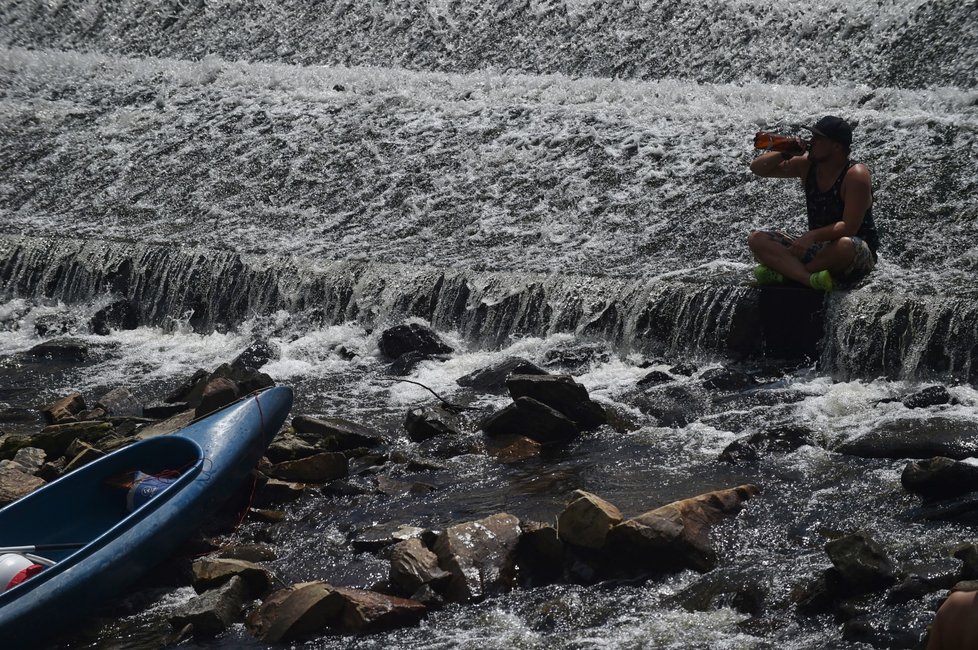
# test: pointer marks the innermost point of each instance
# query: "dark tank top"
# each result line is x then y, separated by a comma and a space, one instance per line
825, 208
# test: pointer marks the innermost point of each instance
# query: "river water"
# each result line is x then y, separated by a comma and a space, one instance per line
534, 178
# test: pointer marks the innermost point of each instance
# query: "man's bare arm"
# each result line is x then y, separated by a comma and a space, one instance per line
773, 165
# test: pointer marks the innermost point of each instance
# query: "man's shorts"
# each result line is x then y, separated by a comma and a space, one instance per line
861, 265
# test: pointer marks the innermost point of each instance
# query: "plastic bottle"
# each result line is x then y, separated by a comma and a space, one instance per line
776, 142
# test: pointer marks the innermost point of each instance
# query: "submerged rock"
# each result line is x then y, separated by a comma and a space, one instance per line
939, 477
745, 590
917, 438
727, 379
72, 350
493, 378
930, 396
210, 573
121, 314
481, 556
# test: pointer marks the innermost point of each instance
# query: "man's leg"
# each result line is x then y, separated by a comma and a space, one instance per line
835, 257
772, 249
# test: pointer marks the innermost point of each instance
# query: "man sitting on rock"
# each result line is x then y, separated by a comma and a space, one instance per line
956, 624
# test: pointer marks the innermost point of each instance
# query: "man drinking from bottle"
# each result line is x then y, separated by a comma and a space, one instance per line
841, 242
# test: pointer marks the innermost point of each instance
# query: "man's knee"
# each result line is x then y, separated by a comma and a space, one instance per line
756, 239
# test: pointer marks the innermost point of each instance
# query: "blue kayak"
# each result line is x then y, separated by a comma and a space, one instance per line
114, 544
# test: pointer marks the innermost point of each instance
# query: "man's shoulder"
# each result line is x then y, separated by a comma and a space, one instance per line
858, 173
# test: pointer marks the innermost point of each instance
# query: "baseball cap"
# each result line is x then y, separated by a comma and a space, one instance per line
834, 128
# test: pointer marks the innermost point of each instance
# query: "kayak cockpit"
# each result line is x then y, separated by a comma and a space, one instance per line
101, 501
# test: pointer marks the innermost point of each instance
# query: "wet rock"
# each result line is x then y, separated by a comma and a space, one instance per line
52, 470
217, 393
685, 369
210, 573
413, 566
120, 402
428, 597
17, 414
381, 536
861, 562
16, 483
672, 405
247, 380
930, 396
30, 459
576, 358
939, 477
540, 553
213, 612
676, 535
68, 350
968, 555
407, 362
727, 379
745, 590
512, 448
56, 438
296, 612
335, 434
190, 390
655, 378
586, 520
319, 468
561, 393
169, 425
256, 355
429, 422
275, 492
493, 378
266, 516
782, 438
121, 314
480, 555
917, 438
924, 579
163, 410
55, 324
391, 487
346, 488
247, 552
532, 419
411, 337
368, 611
97, 413
313, 608
81, 454
289, 447
64, 409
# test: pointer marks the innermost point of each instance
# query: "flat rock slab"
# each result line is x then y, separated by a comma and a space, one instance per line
917, 438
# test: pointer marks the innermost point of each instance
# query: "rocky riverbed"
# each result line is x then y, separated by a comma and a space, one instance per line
353, 531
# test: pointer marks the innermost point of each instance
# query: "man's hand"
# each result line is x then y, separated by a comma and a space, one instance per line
802, 244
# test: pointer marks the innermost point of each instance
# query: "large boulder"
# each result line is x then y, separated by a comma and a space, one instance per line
587, 519
335, 434
561, 393
121, 314
414, 565
15, 483
939, 477
256, 355
676, 536
480, 555
917, 438
411, 337
532, 419
493, 378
